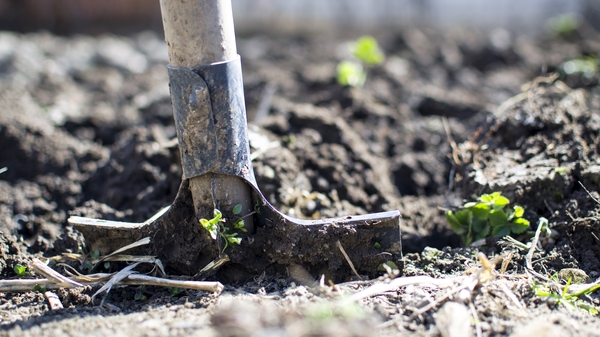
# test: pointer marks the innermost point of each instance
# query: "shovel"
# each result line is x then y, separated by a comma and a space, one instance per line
218, 185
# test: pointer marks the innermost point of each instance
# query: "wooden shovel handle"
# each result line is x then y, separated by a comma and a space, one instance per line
198, 31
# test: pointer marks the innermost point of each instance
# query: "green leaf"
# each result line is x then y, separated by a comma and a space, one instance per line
367, 50
500, 202
218, 214
237, 209
481, 211
486, 197
234, 240
519, 225
469, 204
481, 228
465, 217
501, 231
39, 288
456, 226
239, 224
498, 218
94, 254
106, 265
211, 227
350, 74
376, 245
20, 269
519, 211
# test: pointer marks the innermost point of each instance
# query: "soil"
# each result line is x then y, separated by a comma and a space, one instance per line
86, 128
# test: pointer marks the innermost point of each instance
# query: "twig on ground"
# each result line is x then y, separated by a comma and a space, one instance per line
453, 146
96, 279
211, 267
341, 248
114, 280
468, 285
138, 243
505, 262
42, 269
378, 289
512, 296
476, 320
529, 255
588, 192
53, 301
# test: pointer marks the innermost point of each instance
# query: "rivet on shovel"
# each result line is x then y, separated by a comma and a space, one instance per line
206, 86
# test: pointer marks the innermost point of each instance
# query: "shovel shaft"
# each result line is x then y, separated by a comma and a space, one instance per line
198, 32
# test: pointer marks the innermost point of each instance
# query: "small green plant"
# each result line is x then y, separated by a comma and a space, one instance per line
366, 52
563, 24
350, 74
21, 270
94, 255
570, 300
490, 214
139, 294
390, 264
39, 289
586, 66
174, 291
216, 227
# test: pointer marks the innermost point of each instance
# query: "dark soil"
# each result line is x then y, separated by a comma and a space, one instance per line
86, 128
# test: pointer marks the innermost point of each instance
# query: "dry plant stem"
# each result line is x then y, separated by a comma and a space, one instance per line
116, 278
141, 242
379, 289
469, 285
512, 296
476, 320
42, 269
22, 285
588, 192
529, 255
53, 301
506, 262
341, 248
215, 287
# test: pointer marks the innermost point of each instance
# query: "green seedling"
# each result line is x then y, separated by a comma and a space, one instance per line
94, 255
367, 51
367, 54
39, 289
216, 227
560, 170
139, 295
21, 270
563, 24
586, 66
390, 264
174, 291
491, 214
350, 74
569, 300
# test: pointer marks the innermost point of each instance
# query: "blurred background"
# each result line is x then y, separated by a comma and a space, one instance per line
294, 16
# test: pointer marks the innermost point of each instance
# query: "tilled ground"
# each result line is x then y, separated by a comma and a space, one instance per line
86, 128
